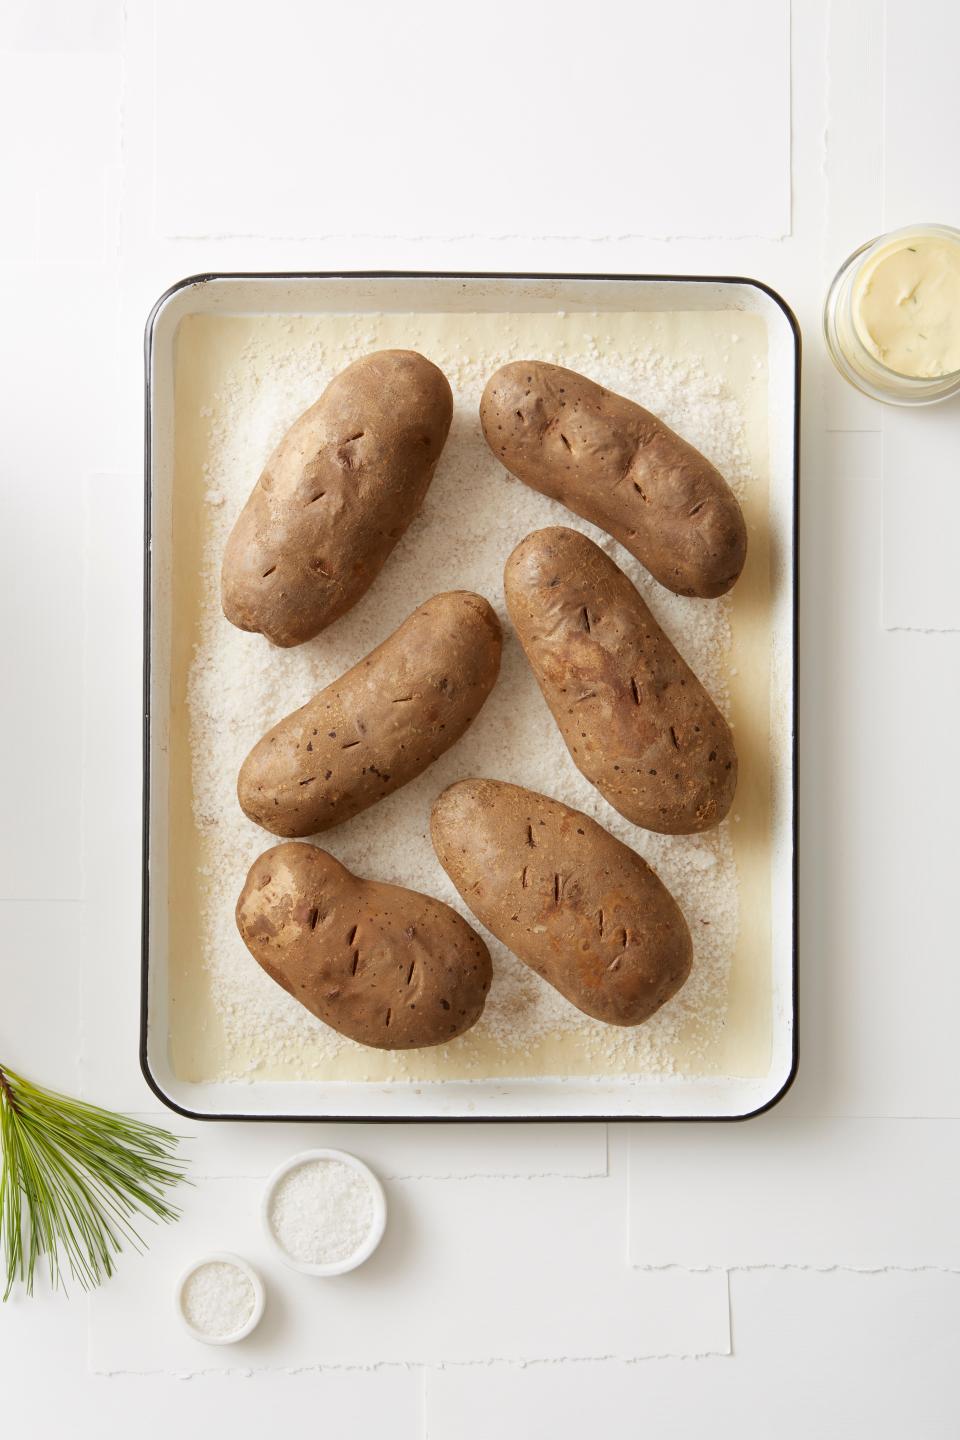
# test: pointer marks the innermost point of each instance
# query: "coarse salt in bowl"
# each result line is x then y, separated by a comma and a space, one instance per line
220, 1299
325, 1211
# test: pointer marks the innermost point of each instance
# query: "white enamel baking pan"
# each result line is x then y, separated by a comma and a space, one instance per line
553, 1097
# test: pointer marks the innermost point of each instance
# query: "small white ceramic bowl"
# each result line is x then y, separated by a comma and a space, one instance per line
259, 1298
377, 1225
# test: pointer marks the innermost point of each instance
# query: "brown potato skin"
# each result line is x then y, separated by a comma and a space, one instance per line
635, 718
387, 967
335, 497
380, 725
620, 467
581, 909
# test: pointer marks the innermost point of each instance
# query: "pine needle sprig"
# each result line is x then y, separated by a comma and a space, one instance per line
74, 1177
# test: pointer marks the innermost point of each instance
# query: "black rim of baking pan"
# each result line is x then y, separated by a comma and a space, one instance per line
154, 1084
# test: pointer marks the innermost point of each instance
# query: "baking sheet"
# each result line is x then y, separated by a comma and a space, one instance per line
236, 380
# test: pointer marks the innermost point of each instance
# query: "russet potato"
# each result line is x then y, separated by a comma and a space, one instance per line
335, 497
385, 966
380, 724
635, 718
584, 911
622, 468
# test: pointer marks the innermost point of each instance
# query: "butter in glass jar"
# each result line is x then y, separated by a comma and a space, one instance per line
892, 316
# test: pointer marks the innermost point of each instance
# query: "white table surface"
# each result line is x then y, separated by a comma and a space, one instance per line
796, 1275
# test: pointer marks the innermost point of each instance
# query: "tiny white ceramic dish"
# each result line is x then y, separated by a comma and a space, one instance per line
224, 1257
378, 1222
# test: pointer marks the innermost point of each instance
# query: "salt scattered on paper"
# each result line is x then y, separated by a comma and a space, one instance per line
474, 513
321, 1212
217, 1299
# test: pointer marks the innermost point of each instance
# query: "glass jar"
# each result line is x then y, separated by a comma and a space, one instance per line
850, 344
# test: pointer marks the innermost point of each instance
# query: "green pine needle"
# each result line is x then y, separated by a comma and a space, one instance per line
74, 1177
